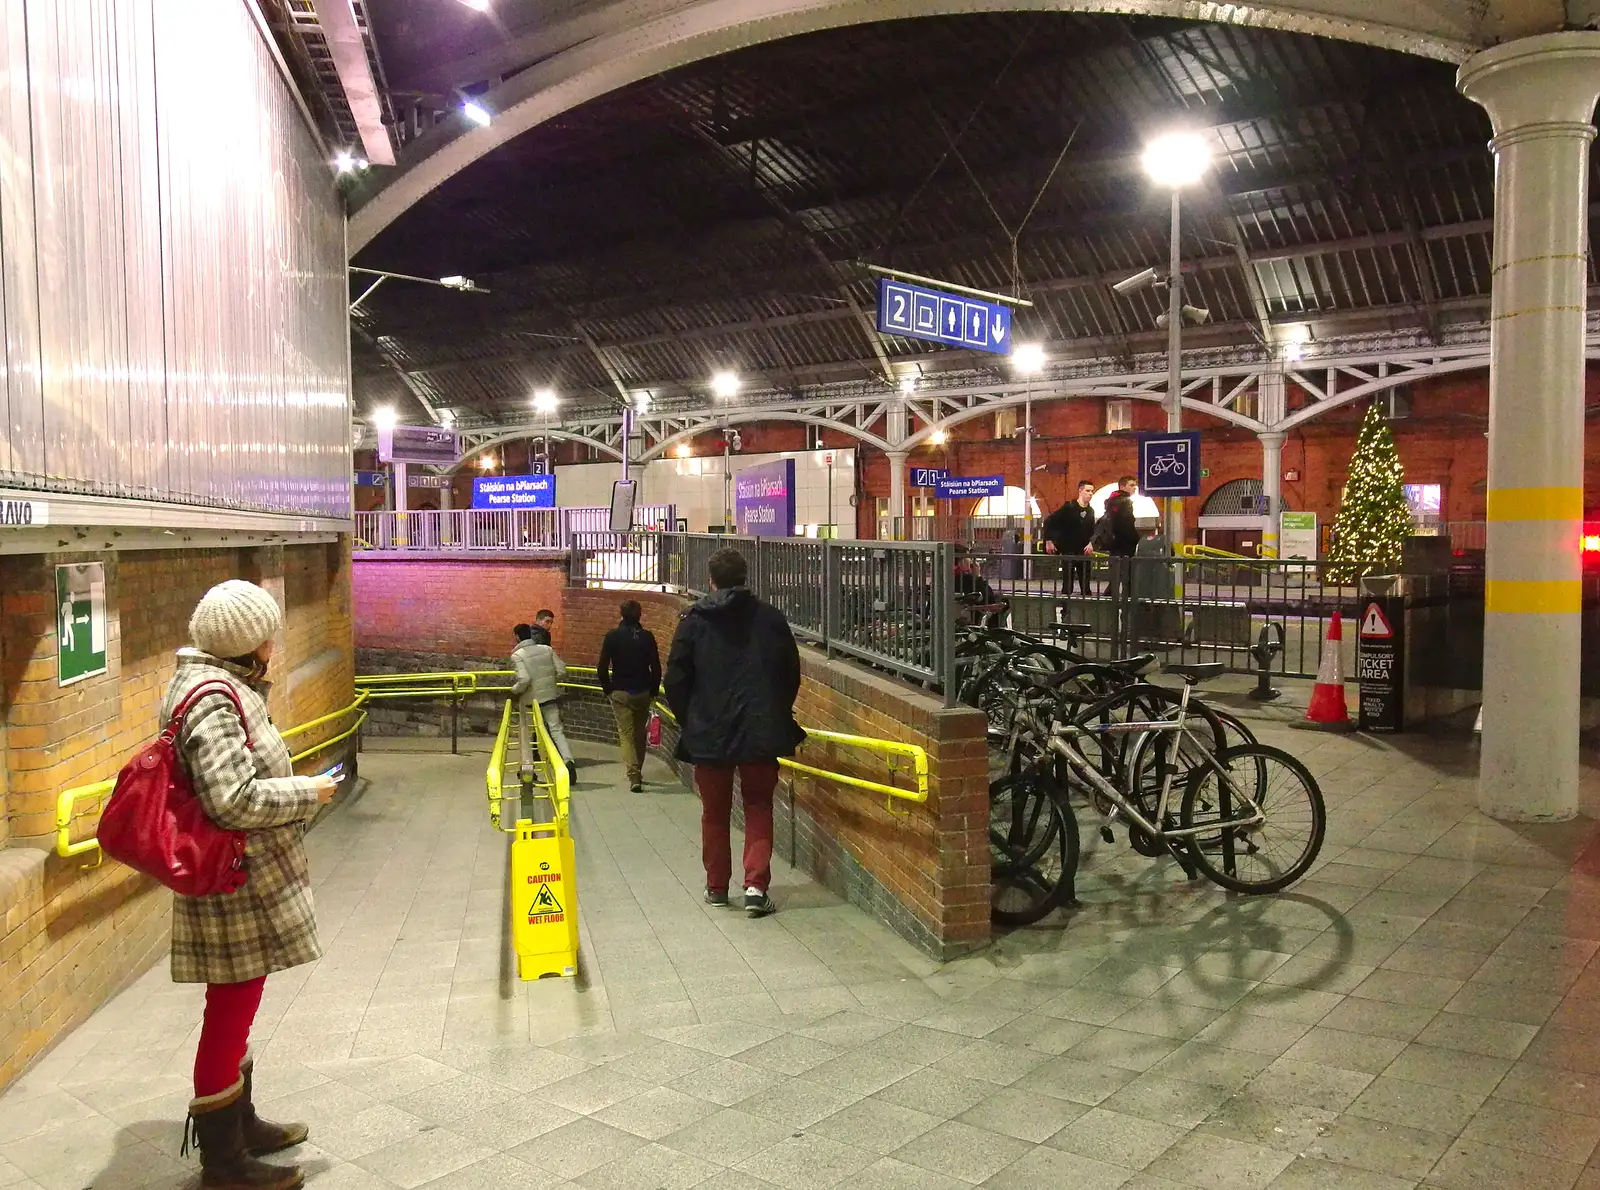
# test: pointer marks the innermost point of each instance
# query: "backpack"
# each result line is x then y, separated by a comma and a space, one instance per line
154, 823
1105, 533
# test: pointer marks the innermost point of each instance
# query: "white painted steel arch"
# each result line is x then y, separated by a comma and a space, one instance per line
761, 415
522, 432
607, 44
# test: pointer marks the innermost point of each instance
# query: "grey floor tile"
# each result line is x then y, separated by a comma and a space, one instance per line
1558, 1135
495, 1173
655, 1166
875, 1125
1025, 1115
1470, 1165
1274, 1122
1449, 1068
797, 1103
962, 1151
352, 1137
1220, 1163
654, 1113
937, 1092
591, 1091
1344, 1050
1416, 1105
454, 1099
1379, 1146
726, 1081
729, 1136
420, 1159
1311, 1173
574, 1149
806, 1161
1116, 1138
790, 1054
991, 1061
1045, 1166
1067, 1078
887, 1173
1113, 1046
1044, 1034
860, 1072
511, 1121
1168, 1100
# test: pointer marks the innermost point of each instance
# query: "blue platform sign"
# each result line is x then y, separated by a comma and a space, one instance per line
514, 491
927, 477
939, 317
1169, 464
372, 479
962, 487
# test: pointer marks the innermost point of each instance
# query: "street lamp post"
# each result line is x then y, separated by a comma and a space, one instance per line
1028, 359
1176, 160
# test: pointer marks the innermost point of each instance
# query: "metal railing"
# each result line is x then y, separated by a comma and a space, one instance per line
71, 804
916, 754
527, 774
471, 529
884, 602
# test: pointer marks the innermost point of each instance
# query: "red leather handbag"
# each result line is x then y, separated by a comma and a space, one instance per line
154, 823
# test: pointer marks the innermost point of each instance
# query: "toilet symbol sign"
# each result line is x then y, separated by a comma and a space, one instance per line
1375, 625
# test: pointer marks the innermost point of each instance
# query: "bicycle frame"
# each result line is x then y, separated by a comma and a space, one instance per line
1085, 769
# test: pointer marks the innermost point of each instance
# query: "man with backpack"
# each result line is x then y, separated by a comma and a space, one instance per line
629, 672
1117, 534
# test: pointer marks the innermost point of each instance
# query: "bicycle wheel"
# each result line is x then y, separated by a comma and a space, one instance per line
1234, 732
1033, 848
1277, 851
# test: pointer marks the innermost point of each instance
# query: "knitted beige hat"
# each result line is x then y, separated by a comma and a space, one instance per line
234, 618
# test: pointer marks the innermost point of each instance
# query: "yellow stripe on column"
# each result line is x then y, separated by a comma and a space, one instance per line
1535, 504
1556, 596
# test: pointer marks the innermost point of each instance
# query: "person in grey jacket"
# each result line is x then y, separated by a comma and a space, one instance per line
241, 774
539, 670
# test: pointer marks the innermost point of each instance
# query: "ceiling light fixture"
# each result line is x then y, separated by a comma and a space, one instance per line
486, 463
545, 401
384, 418
476, 112
477, 5
683, 450
938, 438
725, 385
908, 385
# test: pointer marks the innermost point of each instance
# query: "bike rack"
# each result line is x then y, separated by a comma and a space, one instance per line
1264, 650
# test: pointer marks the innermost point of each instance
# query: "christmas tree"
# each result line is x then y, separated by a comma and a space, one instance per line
1374, 519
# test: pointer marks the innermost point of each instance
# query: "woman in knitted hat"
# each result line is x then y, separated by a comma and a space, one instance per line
231, 942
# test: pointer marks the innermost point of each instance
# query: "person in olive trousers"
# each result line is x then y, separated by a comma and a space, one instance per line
732, 677
629, 672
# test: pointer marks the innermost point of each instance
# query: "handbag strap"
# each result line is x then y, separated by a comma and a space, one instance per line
211, 686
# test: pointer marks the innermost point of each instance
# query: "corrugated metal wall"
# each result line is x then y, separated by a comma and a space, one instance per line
171, 262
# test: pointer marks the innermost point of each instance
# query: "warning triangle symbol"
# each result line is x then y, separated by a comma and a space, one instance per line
545, 902
1374, 625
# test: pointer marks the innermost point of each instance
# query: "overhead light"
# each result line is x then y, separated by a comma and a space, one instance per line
447, 418
458, 282
476, 112
938, 437
347, 162
384, 418
546, 401
641, 401
1177, 159
908, 385
1027, 358
1295, 340
725, 385
477, 5
683, 450
1139, 280
486, 463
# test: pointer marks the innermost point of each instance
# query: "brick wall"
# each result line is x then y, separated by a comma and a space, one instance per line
73, 935
457, 608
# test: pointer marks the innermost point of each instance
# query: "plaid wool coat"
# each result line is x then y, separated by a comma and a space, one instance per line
270, 923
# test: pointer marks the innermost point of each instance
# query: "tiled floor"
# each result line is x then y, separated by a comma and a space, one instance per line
1421, 1012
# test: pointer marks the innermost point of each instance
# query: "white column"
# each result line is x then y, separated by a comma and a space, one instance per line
1271, 488
401, 480
1540, 94
897, 494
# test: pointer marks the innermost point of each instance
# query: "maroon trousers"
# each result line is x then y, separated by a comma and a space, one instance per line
756, 783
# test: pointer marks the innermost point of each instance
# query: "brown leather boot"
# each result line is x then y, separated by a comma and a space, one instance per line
216, 1125
262, 1136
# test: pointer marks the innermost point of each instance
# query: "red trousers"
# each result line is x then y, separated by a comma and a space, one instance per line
756, 783
225, 1034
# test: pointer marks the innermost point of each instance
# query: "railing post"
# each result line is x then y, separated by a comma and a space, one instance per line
944, 621
760, 584
830, 596
455, 724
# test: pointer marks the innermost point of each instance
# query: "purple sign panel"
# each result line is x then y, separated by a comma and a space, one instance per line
763, 499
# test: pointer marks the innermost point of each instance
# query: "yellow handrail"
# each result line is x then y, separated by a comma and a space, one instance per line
67, 801
1206, 551
558, 782
497, 760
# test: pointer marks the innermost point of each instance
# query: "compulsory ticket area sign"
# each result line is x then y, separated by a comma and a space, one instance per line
955, 320
1169, 464
514, 491
763, 499
962, 487
1380, 664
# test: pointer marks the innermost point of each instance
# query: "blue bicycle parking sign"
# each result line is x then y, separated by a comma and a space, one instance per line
1169, 464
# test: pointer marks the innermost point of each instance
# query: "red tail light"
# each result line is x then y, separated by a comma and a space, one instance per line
1591, 543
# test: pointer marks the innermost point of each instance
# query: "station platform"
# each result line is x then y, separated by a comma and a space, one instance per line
1419, 1012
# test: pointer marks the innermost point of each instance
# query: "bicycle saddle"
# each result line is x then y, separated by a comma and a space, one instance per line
1202, 672
1134, 665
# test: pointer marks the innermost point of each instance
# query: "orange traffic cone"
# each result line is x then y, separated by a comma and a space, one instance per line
1327, 709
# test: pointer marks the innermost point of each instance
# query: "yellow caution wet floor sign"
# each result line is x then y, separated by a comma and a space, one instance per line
544, 911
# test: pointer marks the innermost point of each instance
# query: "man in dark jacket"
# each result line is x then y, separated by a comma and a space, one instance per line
732, 677
630, 674
1068, 531
1117, 533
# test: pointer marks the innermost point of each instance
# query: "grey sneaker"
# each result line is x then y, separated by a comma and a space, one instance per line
758, 904
636, 787
716, 898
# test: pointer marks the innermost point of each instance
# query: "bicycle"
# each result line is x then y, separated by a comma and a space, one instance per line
1222, 818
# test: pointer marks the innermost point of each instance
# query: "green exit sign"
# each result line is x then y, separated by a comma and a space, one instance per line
1205, 473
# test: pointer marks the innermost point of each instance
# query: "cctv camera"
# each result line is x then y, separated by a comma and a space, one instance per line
1192, 316
1138, 281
